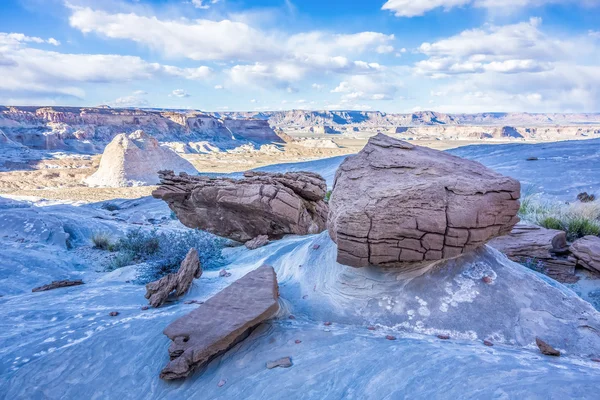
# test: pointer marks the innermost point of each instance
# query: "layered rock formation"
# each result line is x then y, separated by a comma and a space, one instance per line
394, 204
548, 247
586, 252
72, 127
158, 291
222, 321
134, 160
259, 204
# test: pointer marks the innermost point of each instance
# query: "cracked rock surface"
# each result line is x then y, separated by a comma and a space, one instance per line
586, 252
395, 204
259, 204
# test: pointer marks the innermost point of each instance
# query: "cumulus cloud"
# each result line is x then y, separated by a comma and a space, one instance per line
179, 93
413, 8
204, 4
368, 87
28, 70
262, 58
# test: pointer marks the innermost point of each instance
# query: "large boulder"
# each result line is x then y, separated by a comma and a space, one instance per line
395, 204
546, 249
259, 204
586, 252
222, 321
134, 160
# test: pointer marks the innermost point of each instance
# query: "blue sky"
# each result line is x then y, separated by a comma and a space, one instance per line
388, 55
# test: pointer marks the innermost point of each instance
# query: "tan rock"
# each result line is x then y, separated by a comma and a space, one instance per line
586, 252
257, 242
221, 322
158, 291
57, 285
546, 246
395, 204
259, 204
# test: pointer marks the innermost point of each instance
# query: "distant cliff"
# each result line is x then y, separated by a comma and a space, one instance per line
89, 129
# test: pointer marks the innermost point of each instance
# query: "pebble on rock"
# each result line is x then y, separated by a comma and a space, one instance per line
292, 317
144, 308
222, 382
371, 328
224, 274
284, 362
487, 279
113, 313
390, 337
316, 247
488, 343
297, 341
546, 349
327, 323
443, 337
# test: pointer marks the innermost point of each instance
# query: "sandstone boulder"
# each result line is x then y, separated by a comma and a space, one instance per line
134, 160
158, 291
221, 322
548, 247
257, 242
395, 204
259, 204
586, 252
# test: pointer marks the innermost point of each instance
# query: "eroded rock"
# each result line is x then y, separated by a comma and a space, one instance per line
586, 252
259, 204
394, 204
546, 246
284, 362
57, 284
546, 349
221, 322
257, 242
158, 291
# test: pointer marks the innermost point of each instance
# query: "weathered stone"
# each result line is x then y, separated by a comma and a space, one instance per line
284, 362
158, 291
547, 246
58, 284
585, 197
586, 252
394, 204
546, 349
257, 242
259, 204
222, 321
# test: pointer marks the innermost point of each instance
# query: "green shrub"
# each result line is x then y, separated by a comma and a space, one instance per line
327, 196
552, 223
580, 226
101, 241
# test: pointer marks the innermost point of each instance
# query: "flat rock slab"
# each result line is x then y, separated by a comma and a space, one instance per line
546, 246
57, 285
221, 322
586, 252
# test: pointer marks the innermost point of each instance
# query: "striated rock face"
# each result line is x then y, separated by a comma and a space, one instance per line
133, 160
158, 291
548, 247
221, 322
259, 204
394, 204
586, 252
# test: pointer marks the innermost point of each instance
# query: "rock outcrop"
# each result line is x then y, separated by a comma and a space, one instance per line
257, 242
158, 291
548, 247
586, 252
259, 204
134, 160
222, 321
395, 204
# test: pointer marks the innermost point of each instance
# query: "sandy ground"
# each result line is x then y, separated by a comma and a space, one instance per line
62, 179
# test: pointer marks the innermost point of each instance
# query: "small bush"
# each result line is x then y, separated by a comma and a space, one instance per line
580, 227
162, 253
101, 241
327, 196
552, 223
110, 207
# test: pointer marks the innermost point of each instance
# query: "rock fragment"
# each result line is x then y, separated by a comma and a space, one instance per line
221, 322
546, 349
158, 291
257, 242
586, 252
284, 362
58, 284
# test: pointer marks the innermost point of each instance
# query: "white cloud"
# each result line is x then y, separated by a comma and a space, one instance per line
26, 70
129, 101
413, 8
218, 87
318, 86
179, 93
369, 87
203, 3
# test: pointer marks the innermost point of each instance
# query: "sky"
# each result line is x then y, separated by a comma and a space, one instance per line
454, 56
